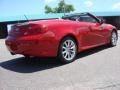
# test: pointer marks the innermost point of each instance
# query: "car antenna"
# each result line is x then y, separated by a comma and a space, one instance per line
26, 18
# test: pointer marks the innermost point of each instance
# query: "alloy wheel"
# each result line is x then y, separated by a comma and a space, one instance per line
114, 39
67, 50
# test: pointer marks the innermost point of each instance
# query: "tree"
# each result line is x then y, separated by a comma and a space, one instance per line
48, 9
61, 8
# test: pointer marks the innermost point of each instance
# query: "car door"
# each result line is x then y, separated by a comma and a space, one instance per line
93, 33
96, 32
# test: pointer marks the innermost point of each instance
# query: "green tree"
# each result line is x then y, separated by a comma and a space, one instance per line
48, 9
61, 8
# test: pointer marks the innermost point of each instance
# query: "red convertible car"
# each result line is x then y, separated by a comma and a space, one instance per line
63, 37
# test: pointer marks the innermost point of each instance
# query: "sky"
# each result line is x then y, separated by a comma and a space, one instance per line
36, 7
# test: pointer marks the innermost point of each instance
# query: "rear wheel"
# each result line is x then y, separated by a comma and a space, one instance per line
67, 50
113, 39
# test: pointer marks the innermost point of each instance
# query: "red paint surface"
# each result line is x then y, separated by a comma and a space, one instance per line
42, 38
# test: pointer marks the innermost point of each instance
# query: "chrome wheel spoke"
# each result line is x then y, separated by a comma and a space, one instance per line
66, 55
69, 55
66, 43
73, 47
64, 52
64, 48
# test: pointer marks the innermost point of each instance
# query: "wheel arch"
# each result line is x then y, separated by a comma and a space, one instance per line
72, 36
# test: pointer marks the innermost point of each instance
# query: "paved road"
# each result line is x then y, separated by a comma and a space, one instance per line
96, 69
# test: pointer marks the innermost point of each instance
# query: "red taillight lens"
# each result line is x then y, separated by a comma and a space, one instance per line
27, 29
36, 29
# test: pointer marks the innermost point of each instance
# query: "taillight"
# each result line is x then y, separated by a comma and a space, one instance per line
28, 29
36, 29
40, 29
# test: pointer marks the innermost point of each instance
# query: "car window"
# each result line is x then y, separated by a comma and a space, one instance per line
73, 18
87, 19
81, 18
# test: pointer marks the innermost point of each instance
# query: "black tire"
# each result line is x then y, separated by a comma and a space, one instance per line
71, 50
26, 57
113, 39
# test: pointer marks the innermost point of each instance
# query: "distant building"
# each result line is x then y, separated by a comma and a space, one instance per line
110, 17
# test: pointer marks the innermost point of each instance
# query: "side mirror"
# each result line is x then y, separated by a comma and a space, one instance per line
102, 21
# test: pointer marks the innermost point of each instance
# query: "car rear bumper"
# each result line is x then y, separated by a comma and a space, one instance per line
32, 47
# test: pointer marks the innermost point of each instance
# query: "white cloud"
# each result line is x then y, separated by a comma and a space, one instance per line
88, 3
49, 1
116, 5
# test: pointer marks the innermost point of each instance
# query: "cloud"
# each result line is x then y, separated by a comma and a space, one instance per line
88, 3
116, 5
49, 1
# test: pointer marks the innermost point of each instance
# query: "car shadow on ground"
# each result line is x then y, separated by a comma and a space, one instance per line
92, 51
21, 65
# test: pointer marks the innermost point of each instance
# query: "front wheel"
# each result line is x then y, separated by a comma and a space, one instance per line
113, 39
67, 50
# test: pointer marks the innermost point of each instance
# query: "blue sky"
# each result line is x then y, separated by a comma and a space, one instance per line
34, 7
